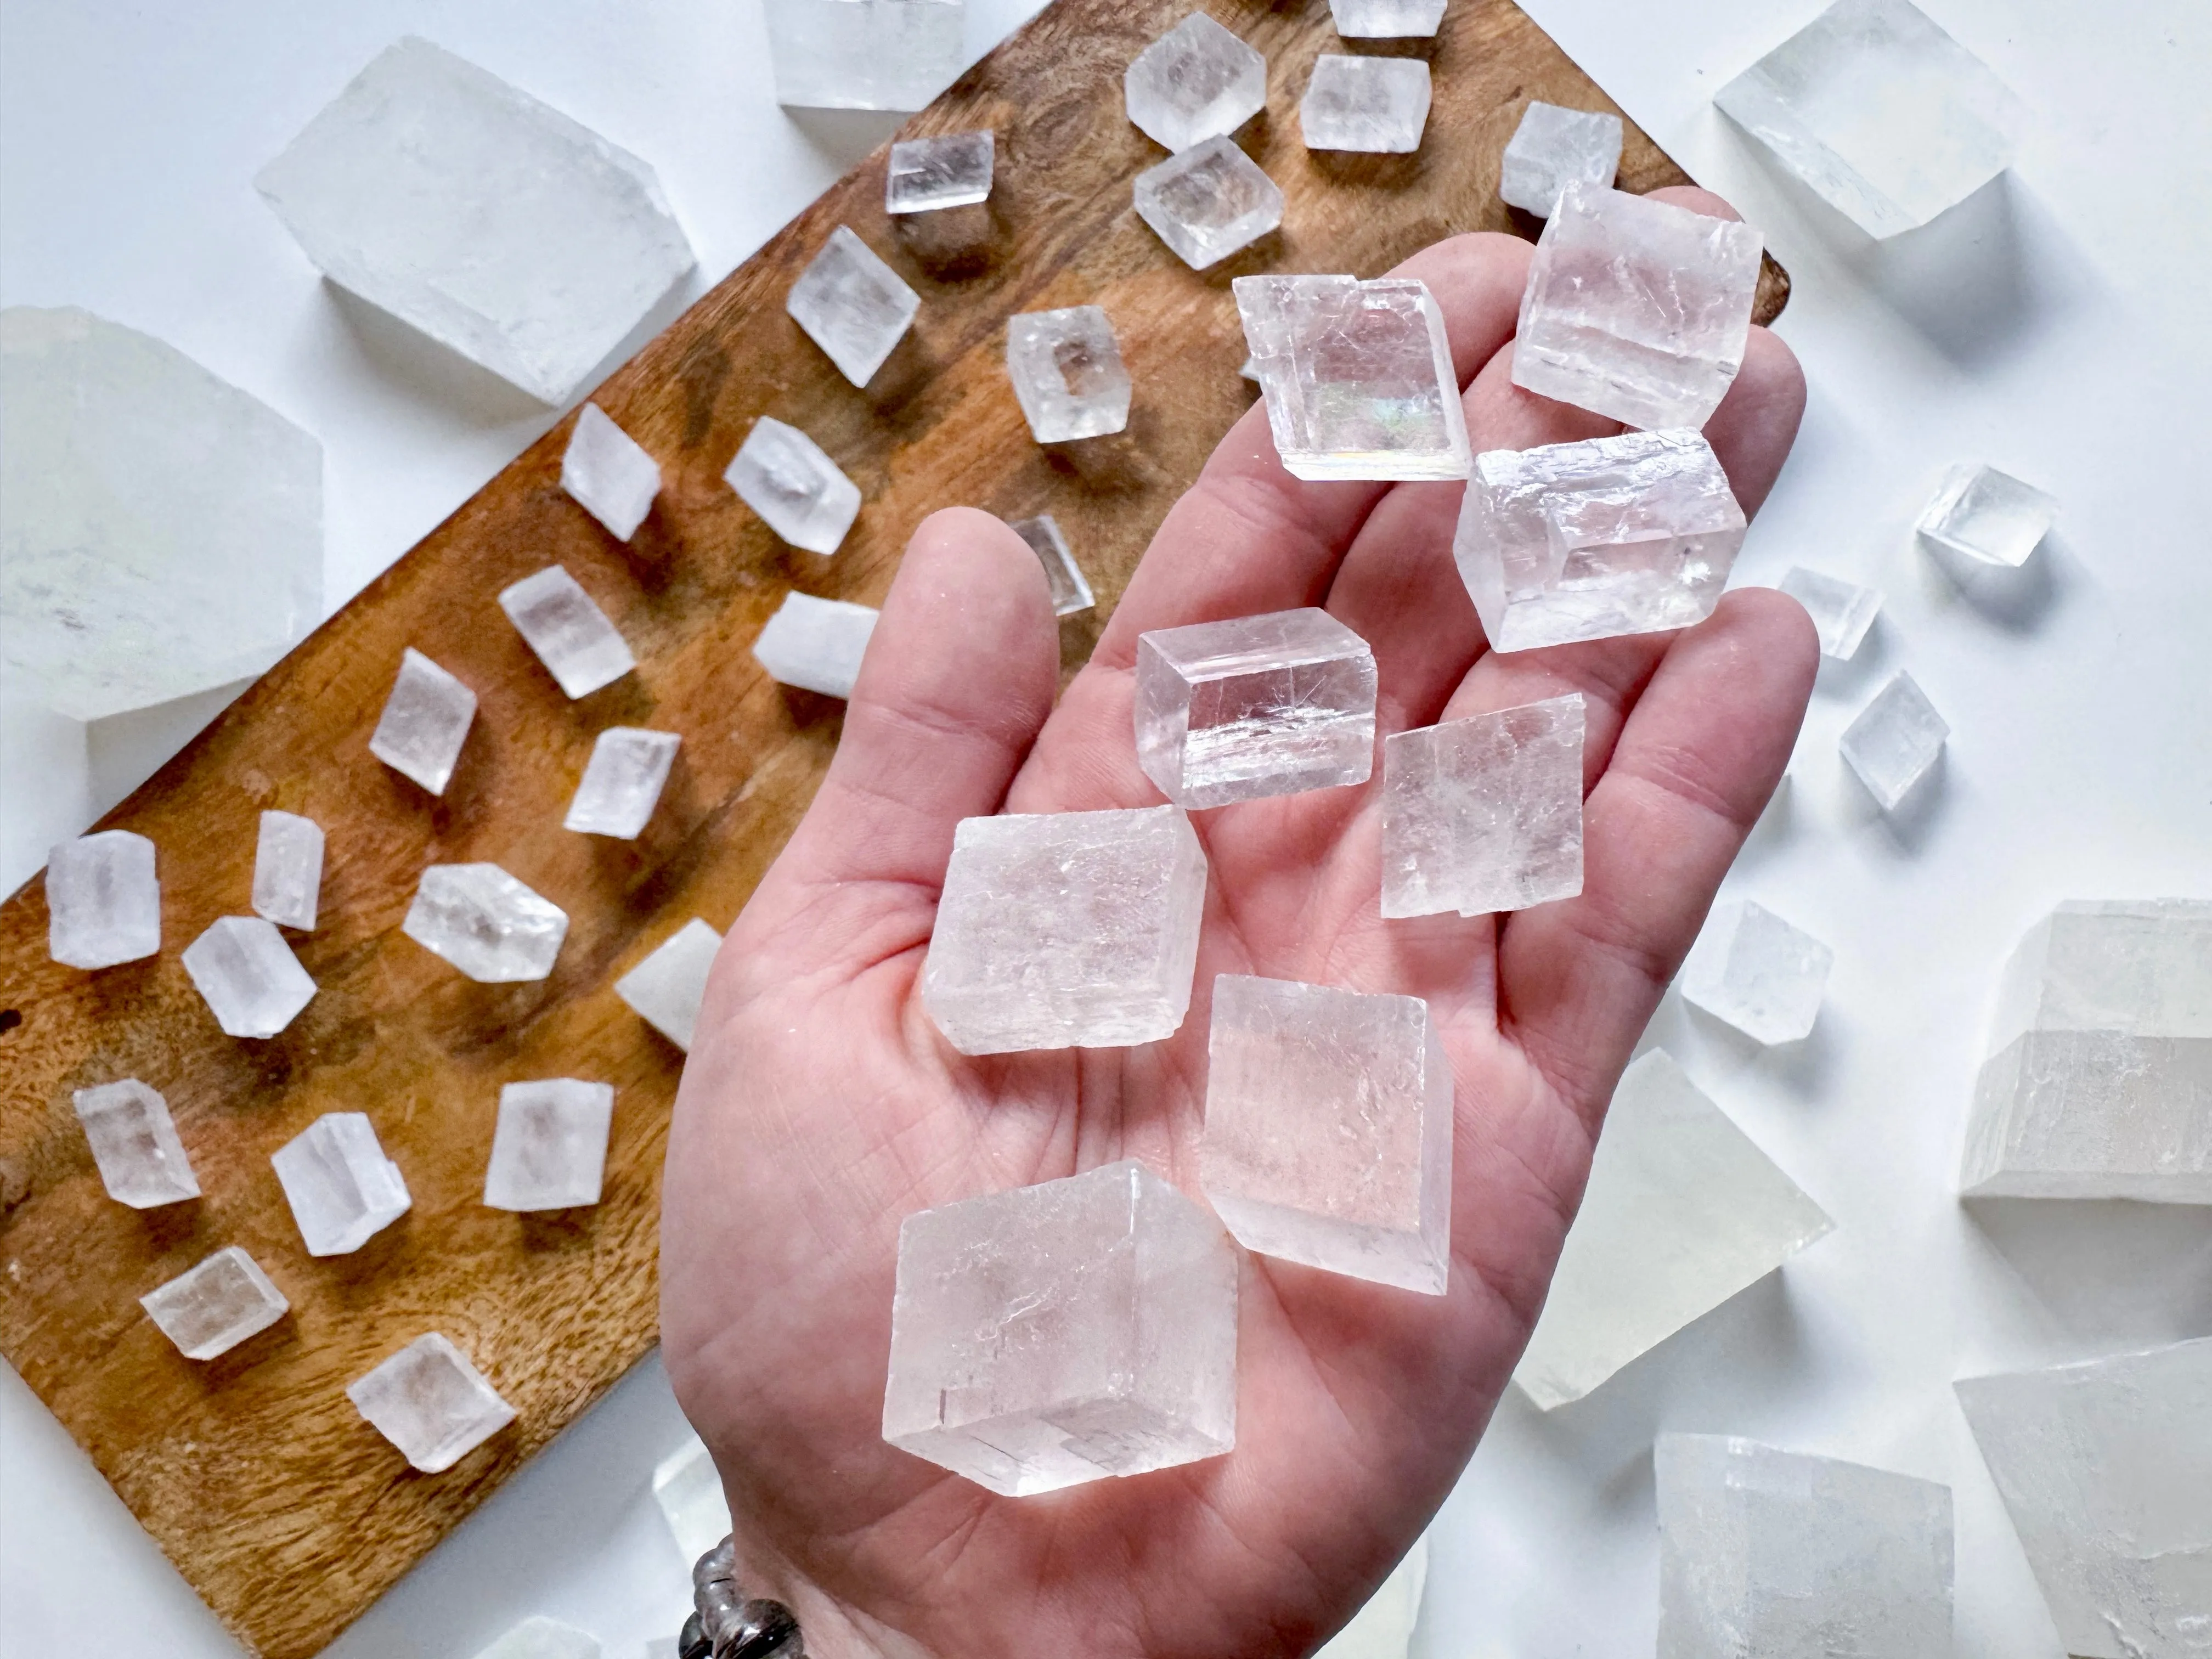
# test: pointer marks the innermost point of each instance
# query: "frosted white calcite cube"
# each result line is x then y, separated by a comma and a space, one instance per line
485, 922
1378, 105
1754, 970
1063, 575
134, 1144
1196, 81
1895, 741
608, 473
1208, 202
1328, 1129
1064, 1331
216, 1305
687, 1488
548, 1150
1068, 377
425, 723
498, 226
817, 645
784, 476
1553, 147
103, 899
852, 305
1385, 20
1635, 309
429, 1401
1888, 118
540, 1637
1988, 516
342, 1190
249, 978
288, 870
925, 175
1682, 1212
1842, 611
572, 636
864, 54
622, 782
666, 988
1067, 930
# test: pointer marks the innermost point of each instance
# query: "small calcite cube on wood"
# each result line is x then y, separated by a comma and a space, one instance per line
1068, 372
1553, 147
927, 175
1064, 1332
1209, 201
429, 1401
486, 923
216, 1305
852, 305
1063, 575
817, 645
249, 978
342, 1190
622, 782
1842, 611
666, 988
425, 723
549, 1149
1757, 972
798, 491
1378, 105
863, 54
572, 636
608, 473
1895, 742
1196, 81
1385, 20
103, 899
288, 870
1988, 516
135, 1145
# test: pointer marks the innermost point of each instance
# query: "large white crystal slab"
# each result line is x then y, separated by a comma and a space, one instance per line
1553, 147
609, 473
485, 922
1895, 741
853, 305
540, 1637
864, 54
1196, 81
572, 636
1068, 372
249, 978
425, 723
103, 899
687, 1488
666, 988
1841, 612
288, 870
212, 1308
817, 645
1681, 1213
429, 1401
134, 1143
1987, 515
549, 1150
1757, 972
1766, 1552
951, 170
342, 1190
1064, 1331
784, 476
621, 782
1378, 105
1063, 575
161, 531
496, 226
1208, 200
1886, 117
1385, 20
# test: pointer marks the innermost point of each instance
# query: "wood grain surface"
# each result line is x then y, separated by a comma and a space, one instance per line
285, 1511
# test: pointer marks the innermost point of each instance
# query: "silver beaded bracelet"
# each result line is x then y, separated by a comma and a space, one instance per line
727, 1624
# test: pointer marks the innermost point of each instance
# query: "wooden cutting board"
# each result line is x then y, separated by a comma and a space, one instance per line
286, 1511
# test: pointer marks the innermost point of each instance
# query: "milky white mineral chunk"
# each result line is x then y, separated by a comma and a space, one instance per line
608, 473
1841, 612
1635, 309
688, 1489
666, 988
572, 636
864, 54
485, 922
1196, 81
1894, 742
782, 475
622, 782
212, 1308
548, 1150
1767, 1552
161, 531
815, 644
249, 978
1681, 1213
1064, 1331
103, 899
1357, 376
1553, 147
342, 1190
1066, 369
1208, 200
467, 209
1634, 534
1385, 20
1067, 930
852, 305
949, 171
1886, 117
429, 1401
1987, 515
1754, 970
288, 870
2104, 1467
1483, 814
540, 1637
425, 722
1373, 104
1063, 575
134, 1142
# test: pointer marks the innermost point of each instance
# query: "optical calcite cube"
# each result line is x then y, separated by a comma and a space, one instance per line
864, 54
666, 988
1385, 20
609, 473
342, 1190
1987, 515
1063, 575
288, 870
429, 1401
485, 922
1553, 147
1884, 115
1842, 611
1328, 1129
949, 171
1681, 1212
103, 899
134, 1143
622, 782
1764, 1552
1067, 930
572, 636
1357, 376
1895, 742
1483, 814
549, 1149
688, 1489
1374, 104
1064, 1331
1208, 200
817, 645
1066, 369
540, 1637
249, 978
1270, 705
216, 1305
1635, 309
782, 475
1754, 970
1196, 81
425, 722
852, 305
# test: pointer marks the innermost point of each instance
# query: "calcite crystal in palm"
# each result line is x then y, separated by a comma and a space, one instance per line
429, 1401
803, 495
572, 636
245, 972
1895, 742
1385, 20
1987, 515
1063, 575
688, 1490
498, 226
1378, 105
817, 645
1067, 930
1357, 376
608, 473
1682, 1212
1196, 81
1553, 147
1884, 115
540, 1637
1066, 369
212, 1308
425, 723
288, 870
666, 988
1208, 202
1764, 1552
1064, 1331
134, 1143
342, 1190
852, 305
951, 170
1757, 972
1269, 705
622, 782
486, 923
548, 1150
1635, 309
103, 899
1842, 611
864, 54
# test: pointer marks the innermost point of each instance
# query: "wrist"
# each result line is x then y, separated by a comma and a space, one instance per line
766, 1609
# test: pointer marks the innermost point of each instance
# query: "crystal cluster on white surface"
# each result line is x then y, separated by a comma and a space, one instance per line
1632, 534
1378, 105
609, 473
864, 54
1842, 611
1637, 310
548, 1150
134, 1143
949, 171
1196, 81
212, 1308
425, 723
1681, 1213
572, 636
621, 782
1067, 930
1988, 516
288, 870
486, 923
1895, 741
1765, 1552
852, 305
1328, 1129
1385, 20
342, 1190
161, 531
1068, 372
1208, 200
688, 1490
1357, 376
540, 1637
465, 208
1486, 813
1553, 147
1267, 705
665, 989
103, 899
247, 975
798, 491
1757, 972
1884, 115
816, 645
429, 1401
1064, 1332
1063, 576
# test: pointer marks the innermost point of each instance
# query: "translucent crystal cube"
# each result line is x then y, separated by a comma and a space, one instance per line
1064, 1331
1209, 201
212, 1308
1374, 104
622, 782
1070, 592
288, 870
1553, 147
1764, 1552
247, 975
815, 644
540, 1637
1634, 534
1196, 81
134, 1142
608, 473
1357, 376
782, 475
1883, 114
1987, 515
103, 899
1754, 970
688, 1489
1067, 373
549, 1149
1635, 309
1894, 742
1483, 814
1385, 20
864, 54
852, 305
1067, 930
425, 722
485, 922
572, 636
950, 171
1269, 705
666, 988
1841, 612
1328, 1129
342, 1190
429, 1401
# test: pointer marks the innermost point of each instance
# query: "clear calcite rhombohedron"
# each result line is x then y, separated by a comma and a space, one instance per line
666, 988
425, 723
429, 1401
817, 645
1757, 972
216, 1305
853, 305
1067, 373
1208, 202
1196, 81
135, 1145
1553, 147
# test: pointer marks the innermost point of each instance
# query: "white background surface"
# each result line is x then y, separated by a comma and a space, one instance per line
2054, 326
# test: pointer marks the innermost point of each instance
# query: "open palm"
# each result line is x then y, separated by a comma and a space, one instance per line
821, 1107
